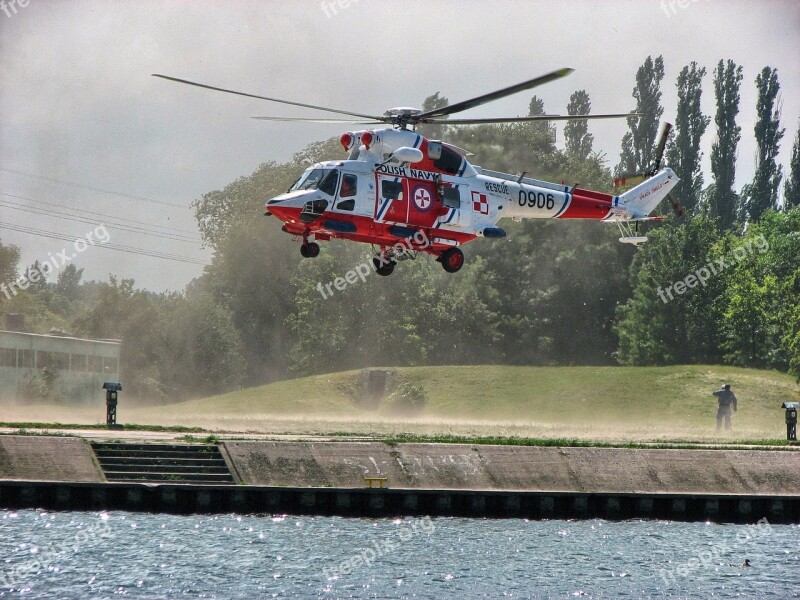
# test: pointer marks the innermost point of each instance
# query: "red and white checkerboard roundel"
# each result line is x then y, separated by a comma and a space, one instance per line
422, 198
480, 203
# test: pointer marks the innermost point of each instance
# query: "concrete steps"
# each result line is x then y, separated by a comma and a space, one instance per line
163, 463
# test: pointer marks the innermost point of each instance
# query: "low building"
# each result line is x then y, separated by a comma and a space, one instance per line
67, 369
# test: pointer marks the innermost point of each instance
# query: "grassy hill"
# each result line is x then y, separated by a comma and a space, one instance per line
661, 401
599, 403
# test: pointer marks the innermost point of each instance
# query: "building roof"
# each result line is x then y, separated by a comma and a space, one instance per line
61, 337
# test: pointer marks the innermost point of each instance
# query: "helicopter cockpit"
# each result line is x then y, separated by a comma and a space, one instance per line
324, 180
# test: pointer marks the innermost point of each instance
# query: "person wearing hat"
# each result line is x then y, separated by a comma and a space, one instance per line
726, 401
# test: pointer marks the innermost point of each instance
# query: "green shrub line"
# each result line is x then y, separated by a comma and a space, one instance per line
22, 428
126, 427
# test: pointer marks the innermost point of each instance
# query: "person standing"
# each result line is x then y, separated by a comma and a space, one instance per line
727, 402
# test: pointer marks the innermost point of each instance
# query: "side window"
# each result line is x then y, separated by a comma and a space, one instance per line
449, 161
348, 190
452, 199
391, 189
349, 183
328, 184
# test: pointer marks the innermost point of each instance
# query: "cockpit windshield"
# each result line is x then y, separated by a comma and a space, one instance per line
324, 180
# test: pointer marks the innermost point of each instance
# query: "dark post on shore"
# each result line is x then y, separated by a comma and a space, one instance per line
111, 389
791, 420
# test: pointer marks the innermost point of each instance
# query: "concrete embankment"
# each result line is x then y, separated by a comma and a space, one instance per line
437, 479
47, 458
522, 468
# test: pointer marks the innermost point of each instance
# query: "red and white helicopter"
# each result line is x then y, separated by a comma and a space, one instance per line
405, 193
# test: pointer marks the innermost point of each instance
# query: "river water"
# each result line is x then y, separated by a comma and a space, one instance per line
84, 555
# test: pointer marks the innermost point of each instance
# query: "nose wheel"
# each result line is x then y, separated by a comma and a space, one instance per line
309, 250
384, 266
452, 260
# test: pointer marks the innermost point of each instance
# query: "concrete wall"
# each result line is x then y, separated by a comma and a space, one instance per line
452, 466
40, 458
449, 466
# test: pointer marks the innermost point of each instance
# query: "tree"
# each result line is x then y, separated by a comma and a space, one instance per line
763, 193
791, 191
433, 131
204, 347
69, 281
540, 134
667, 320
762, 293
37, 275
722, 200
690, 124
9, 260
638, 143
577, 138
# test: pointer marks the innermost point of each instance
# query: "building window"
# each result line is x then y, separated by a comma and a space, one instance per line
60, 360
8, 357
96, 364
110, 365
25, 359
43, 359
77, 362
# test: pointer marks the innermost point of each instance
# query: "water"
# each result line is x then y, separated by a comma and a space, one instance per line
85, 555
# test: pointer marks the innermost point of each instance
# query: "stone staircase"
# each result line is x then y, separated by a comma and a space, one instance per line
163, 463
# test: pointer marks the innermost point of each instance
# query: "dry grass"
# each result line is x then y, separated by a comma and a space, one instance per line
586, 403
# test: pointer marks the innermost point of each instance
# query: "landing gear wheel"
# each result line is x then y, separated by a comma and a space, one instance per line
452, 260
309, 250
383, 268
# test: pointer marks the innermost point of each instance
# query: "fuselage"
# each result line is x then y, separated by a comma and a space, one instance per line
441, 199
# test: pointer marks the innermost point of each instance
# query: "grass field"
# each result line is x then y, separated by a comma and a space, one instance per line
588, 403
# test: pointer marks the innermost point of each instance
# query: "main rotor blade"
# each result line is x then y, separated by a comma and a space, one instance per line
302, 120
301, 104
473, 102
527, 119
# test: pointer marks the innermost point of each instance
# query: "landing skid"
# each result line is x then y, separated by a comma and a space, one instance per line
628, 234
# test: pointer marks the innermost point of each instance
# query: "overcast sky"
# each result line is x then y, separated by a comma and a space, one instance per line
77, 103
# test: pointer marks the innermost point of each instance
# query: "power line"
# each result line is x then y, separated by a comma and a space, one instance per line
106, 222
93, 189
109, 245
103, 216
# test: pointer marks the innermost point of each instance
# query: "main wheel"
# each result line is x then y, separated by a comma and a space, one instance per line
383, 268
309, 250
452, 260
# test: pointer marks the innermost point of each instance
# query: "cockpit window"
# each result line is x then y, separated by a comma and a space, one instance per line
329, 183
322, 179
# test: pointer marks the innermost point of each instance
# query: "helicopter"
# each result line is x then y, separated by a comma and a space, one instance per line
405, 194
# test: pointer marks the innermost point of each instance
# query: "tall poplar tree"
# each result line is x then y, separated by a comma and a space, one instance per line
791, 191
763, 193
722, 200
638, 143
577, 138
684, 153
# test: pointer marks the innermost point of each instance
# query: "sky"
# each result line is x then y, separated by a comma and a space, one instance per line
89, 140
